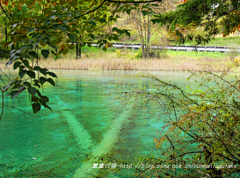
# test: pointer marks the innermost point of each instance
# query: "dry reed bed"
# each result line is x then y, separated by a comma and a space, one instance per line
168, 64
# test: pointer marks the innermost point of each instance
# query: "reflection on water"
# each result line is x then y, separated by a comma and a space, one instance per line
86, 120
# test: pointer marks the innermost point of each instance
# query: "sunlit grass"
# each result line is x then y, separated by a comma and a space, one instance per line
95, 59
112, 62
197, 55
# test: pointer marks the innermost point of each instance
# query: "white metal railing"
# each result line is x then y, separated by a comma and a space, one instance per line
176, 48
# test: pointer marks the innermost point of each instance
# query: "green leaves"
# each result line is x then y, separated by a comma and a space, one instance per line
32, 90
124, 31
16, 65
32, 30
102, 20
38, 101
37, 68
144, 13
128, 11
43, 71
33, 54
162, 21
42, 80
63, 28
71, 36
45, 53
34, 35
51, 81
31, 74
65, 22
36, 107
92, 36
26, 63
52, 74
22, 73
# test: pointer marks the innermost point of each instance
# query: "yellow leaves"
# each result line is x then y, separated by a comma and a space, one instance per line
42, 44
108, 45
62, 47
70, 24
172, 129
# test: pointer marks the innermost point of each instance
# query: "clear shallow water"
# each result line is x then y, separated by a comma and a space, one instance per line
86, 120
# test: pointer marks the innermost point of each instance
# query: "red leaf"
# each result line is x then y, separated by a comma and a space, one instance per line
5, 2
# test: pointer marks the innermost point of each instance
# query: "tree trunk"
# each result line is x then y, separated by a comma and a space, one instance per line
143, 51
6, 35
147, 52
77, 51
80, 51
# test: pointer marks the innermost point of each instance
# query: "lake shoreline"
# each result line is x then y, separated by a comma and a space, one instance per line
166, 64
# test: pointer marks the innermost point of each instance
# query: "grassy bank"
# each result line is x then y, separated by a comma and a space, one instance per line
170, 64
231, 41
95, 59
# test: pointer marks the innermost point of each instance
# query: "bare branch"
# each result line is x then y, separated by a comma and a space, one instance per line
4, 11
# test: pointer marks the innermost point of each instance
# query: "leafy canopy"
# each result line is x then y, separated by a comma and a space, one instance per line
214, 15
38, 28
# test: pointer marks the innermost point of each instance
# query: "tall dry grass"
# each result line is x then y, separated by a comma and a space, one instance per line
111, 62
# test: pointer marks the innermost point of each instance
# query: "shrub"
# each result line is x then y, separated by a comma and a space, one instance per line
139, 54
233, 53
237, 61
202, 125
119, 53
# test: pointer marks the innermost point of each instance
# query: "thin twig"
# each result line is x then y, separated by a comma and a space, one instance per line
4, 11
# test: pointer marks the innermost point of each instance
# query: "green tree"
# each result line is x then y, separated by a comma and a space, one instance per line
202, 130
213, 15
141, 17
48, 25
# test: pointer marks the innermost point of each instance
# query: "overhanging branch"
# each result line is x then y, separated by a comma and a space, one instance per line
124, 2
4, 11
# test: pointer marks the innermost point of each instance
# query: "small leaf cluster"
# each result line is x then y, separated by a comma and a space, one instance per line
28, 81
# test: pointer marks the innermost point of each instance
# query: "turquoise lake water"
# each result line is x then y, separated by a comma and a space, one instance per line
86, 120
